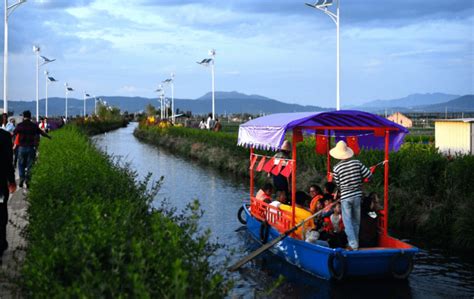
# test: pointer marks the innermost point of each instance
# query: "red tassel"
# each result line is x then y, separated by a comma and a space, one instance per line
269, 165
276, 170
352, 142
288, 169
321, 144
261, 163
252, 162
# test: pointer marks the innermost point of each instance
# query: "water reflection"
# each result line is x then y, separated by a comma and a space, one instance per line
221, 195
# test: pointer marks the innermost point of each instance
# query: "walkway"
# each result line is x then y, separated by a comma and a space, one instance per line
15, 254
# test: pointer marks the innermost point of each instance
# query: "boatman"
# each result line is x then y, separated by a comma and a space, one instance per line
348, 175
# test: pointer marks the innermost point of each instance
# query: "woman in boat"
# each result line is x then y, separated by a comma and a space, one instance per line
265, 194
317, 194
281, 182
348, 175
300, 214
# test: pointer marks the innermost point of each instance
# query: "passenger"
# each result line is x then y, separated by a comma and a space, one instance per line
348, 175
265, 194
300, 214
329, 190
280, 199
368, 233
334, 228
281, 182
273, 211
202, 124
316, 194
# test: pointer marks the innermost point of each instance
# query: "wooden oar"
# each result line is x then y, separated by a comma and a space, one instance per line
267, 246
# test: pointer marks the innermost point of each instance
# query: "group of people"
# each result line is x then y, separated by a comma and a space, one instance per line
22, 139
210, 124
345, 218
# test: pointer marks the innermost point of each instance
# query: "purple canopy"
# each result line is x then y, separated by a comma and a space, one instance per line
268, 132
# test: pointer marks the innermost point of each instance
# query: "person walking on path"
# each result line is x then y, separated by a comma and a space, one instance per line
348, 175
7, 184
28, 140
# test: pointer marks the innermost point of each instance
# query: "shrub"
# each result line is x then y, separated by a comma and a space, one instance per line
92, 232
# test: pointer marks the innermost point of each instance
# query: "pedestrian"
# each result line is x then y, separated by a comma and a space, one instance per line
348, 175
217, 126
28, 140
202, 124
7, 184
4, 123
210, 122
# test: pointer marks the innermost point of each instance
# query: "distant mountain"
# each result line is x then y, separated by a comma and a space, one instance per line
409, 102
226, 102
461, 104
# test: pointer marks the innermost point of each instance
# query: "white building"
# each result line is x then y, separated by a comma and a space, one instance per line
455, 135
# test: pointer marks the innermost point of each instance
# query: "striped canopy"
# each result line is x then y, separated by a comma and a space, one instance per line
268, 132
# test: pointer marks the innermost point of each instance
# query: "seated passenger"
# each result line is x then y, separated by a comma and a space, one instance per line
274, 213
334, 228
329, 191
300, 214
316, 194
280, 199
368, 232
265, 194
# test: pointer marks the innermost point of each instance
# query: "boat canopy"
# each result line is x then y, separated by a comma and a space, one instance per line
268, 132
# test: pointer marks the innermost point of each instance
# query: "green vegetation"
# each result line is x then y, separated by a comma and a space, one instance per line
107, 119
431, 196
93, 233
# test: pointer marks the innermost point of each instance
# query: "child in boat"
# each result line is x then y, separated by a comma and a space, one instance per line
368, 232
273, 213
300, 214
334, 228
329, 191
265, 194
316, 194
280, 199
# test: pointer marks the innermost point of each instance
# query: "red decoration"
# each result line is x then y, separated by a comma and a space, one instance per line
321, 144
288, 169
261, 163
298, 135
269, 165
276, 170
252, 162
352, 142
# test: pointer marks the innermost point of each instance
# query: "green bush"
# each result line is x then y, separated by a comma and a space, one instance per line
92, 232
429, 193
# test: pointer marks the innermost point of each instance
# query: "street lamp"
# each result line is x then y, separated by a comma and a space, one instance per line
162, 95
48, 81
68, 89
86, 95
210, 62
323, 5
171, 82
46, 60
8, 11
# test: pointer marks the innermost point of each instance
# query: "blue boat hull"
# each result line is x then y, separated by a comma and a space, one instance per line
328, 263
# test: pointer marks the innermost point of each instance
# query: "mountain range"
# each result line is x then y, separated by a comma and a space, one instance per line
235, 102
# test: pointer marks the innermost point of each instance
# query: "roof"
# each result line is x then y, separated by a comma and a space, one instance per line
268, 132
466, 120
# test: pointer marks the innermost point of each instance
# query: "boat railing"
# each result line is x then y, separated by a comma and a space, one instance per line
280, 220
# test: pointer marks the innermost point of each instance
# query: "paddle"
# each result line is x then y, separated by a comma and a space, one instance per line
267, 246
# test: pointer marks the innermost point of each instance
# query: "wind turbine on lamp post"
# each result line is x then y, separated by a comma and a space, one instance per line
8, 11
68, 90
211, 62
323, 6
49, 80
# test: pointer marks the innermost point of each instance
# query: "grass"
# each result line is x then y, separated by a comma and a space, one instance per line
93, 233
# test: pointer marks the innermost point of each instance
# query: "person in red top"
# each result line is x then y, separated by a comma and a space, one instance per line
334, 228
265, 194
28, 139
316, 194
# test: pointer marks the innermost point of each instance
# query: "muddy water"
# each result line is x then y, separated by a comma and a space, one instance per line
435, 275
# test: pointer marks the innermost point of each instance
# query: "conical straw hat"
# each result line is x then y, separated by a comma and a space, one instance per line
341, 151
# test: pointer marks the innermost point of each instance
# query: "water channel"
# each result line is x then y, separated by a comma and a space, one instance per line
435, 275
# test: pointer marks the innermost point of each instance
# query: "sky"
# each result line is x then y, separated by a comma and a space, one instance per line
280, 49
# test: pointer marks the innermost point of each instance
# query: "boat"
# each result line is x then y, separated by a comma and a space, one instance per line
391, 258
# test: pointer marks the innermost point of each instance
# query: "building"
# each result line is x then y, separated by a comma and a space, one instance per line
401, 120
455, 135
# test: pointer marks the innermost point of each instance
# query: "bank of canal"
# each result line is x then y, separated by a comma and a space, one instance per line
435, 275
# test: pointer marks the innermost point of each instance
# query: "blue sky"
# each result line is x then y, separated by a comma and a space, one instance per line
279, 49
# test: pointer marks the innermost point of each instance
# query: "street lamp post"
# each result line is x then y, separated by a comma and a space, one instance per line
171, 82
48, 81
8, 10
323, 5
68, 89
210, 62
46, 60
85, 98
162, 96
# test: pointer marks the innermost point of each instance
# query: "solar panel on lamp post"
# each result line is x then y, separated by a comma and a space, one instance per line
46, 60
210, 62
8, 11
68, 89
323, 5
48, 81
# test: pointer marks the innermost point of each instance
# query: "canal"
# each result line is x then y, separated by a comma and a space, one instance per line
435, 275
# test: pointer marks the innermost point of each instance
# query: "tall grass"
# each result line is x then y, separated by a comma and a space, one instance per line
93, 234
431, 196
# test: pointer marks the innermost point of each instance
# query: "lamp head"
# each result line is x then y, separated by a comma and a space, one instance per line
36, 49
212, 52
46, 73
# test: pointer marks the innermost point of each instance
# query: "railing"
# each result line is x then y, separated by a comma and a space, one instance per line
280, 220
